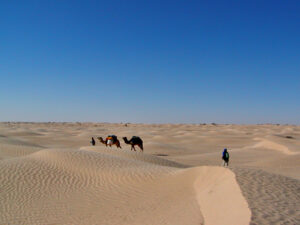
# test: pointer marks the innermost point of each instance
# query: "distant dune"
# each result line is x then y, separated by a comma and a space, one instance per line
49, 174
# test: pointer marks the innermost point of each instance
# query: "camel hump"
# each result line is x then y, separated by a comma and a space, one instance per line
137, 139
113, 137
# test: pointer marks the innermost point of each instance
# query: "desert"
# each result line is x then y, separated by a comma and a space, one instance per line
51, 174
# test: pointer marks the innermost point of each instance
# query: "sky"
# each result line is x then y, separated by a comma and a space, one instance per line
150, 61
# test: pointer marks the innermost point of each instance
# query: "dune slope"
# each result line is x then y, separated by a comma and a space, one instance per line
96, 186
273, 199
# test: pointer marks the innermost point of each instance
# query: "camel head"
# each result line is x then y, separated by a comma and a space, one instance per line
125, 140
101, 140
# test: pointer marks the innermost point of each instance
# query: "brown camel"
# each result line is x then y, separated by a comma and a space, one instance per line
110, 140
134, 141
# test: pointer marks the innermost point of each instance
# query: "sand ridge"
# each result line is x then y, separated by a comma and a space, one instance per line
264, 143
220, 197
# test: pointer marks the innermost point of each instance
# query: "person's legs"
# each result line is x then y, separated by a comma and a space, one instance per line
227, 161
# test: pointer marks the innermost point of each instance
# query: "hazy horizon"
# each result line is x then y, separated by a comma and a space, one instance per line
153, 123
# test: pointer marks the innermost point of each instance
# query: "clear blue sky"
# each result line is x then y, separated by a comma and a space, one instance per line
150, 61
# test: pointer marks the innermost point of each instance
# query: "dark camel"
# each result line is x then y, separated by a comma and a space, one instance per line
114, 141
134, 141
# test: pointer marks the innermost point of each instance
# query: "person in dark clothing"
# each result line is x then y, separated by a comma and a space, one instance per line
93, 141
225, 157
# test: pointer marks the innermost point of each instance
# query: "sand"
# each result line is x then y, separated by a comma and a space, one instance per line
50, 174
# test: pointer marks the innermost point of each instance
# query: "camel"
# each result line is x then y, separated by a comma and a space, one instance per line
110, 140
134, 141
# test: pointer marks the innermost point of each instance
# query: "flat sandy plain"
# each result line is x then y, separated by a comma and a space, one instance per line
50, 174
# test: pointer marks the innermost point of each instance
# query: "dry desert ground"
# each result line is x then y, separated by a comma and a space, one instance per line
50, 174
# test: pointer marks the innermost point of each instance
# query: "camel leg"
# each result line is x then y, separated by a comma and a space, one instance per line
119, 145
140, 147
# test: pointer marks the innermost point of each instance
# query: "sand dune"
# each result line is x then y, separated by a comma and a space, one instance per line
220, 198
273, 199
264, 143
48, 174
101, 187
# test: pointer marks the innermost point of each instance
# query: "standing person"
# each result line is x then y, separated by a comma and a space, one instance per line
93, 141
225, 157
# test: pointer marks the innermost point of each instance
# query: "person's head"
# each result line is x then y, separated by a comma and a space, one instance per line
225, 149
